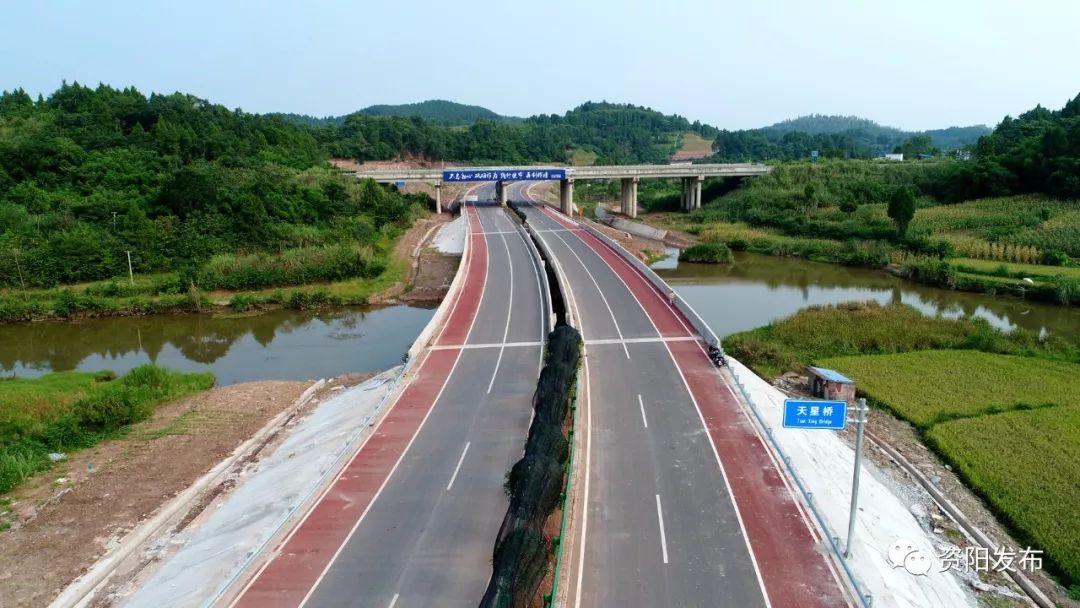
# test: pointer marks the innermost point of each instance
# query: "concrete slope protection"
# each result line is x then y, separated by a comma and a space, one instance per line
683, 503
411, 519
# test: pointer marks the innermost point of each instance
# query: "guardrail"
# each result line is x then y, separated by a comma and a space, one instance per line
542, 267
560, 277
441, 313
688, 311
865, 600
396, 384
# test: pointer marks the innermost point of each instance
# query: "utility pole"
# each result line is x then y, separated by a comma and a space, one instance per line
114, 221
860, 423
18, 267
131, 275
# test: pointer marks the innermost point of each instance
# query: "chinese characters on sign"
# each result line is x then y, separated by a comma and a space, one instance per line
491, 175
815, 414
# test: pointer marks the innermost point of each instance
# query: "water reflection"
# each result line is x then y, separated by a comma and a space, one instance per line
757, 289
282, 344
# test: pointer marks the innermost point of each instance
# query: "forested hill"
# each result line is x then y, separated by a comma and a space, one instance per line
838, 136
90, 173
448, 113
887, 138
1039, 151
609, 133
440, 111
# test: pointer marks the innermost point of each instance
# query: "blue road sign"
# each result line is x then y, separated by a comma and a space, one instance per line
492, 175
815, 414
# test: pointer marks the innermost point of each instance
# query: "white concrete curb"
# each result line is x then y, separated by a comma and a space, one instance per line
80, 591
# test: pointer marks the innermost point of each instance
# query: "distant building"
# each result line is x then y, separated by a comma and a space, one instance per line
894, 156
830, 384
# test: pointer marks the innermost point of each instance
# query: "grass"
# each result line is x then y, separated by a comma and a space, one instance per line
162, 293
929, 387
860, 328
66, 411
582, 158
696, 144
1004, 269
1027, 465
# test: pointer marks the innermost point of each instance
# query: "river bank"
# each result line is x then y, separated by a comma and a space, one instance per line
415, 273
1013, 277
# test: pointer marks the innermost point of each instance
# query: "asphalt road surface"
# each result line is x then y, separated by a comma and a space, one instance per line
661, 526
426, 503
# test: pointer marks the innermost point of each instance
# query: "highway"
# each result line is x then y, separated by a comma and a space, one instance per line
412, 519
683, 505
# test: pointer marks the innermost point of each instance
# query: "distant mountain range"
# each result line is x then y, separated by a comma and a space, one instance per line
444, 112
873, 134
595, 123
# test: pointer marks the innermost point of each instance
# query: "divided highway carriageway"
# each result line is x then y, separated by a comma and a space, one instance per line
677, 501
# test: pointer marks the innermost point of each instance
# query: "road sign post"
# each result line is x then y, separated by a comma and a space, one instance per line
860, 423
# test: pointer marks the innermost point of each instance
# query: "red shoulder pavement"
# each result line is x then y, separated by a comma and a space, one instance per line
467, 301
787, 549
302, 557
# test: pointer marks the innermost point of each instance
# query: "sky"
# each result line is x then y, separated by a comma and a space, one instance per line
911, 64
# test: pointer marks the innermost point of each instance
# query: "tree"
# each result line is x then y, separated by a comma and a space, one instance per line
902, 208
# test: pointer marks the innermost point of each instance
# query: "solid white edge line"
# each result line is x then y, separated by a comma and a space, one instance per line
509, 311
598, 290
641, 404
472, 324
814, 531
458, 467
393, 601
663, 535
712, 443
588, 439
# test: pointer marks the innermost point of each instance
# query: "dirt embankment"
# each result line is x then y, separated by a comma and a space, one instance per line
62, 520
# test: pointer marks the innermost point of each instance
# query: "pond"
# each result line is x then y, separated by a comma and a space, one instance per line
280, 344
757, 289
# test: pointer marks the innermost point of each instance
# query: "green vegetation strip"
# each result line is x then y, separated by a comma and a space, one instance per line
858, 328
536, 483
1026, 464
928, 387
66, 411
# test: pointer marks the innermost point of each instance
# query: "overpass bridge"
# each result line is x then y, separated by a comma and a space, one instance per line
692, 177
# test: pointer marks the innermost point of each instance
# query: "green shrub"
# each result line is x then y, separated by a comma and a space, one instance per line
709, 252
242, 302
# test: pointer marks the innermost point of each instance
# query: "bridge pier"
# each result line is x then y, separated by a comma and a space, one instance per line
566, 197
629, 196
500, 192
691, 193
438, 197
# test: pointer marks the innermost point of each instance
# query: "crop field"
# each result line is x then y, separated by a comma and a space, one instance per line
1035, 271
1027, 465
928, 387
1015, 228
